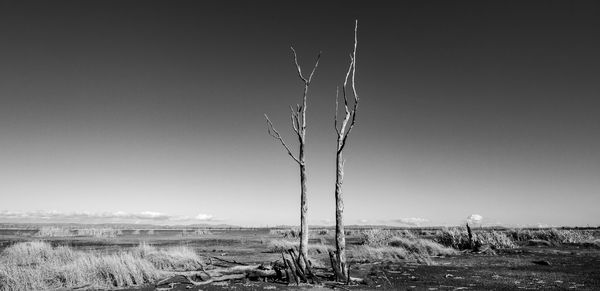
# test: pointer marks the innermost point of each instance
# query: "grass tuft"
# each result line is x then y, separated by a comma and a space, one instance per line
458, 238
39, 266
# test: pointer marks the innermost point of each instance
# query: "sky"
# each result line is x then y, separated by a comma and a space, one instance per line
152, 111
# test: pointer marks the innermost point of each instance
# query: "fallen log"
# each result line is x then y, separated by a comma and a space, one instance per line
288, 272
231, 262
251, 272
297, 265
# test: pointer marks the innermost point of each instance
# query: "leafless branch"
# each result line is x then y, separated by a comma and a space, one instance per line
275, 134
315, 67
298, 66
294, 118
350, 114
354, 62
346, 82
335, 119
306, 81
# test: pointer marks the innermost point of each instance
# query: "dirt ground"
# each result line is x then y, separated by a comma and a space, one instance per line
527, 267
570, 267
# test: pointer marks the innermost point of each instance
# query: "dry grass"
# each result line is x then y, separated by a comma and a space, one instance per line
39, 266
458, 238
53, 231
396, 245
553, 235
421, 246
290, 232
282, 245
175, 258
379, 237
195, 232
386, 254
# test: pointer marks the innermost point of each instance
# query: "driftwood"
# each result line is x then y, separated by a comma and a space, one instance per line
224, 274
231, 262
274, 273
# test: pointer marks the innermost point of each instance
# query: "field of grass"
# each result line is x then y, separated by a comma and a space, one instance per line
37, 265
103, 258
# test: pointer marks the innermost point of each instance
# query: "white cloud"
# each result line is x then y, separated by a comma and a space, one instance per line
362, 221
99, 217
204, 217
474, 218
410, 221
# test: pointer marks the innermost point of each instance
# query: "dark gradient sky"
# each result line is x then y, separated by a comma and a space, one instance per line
487, 107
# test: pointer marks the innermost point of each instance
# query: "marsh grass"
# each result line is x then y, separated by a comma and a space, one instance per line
39, 266
421, 246
195, 232
553, 235
53, 231
458, 238
290, 232
179, 258
377, 236
282, 245
386, 254
396, 245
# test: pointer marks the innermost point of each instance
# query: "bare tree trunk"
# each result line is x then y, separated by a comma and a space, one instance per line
341, 266
298, 117
340, 235
303, 249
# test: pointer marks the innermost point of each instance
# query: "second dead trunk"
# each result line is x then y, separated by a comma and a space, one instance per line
340, 235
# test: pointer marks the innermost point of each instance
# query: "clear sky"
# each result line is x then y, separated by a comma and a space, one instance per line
152, 111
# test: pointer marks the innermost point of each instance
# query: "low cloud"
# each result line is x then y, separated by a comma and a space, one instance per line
204, 217
100, 217
410, 221
474, 218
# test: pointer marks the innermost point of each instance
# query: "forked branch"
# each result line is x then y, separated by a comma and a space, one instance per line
350, 114
306, 81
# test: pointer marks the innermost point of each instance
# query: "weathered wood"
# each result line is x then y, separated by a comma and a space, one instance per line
298, 117
334, 266
231, 262
293, 271
299, 269
257, 270
287, 271
216, 279
343, 132
309, 271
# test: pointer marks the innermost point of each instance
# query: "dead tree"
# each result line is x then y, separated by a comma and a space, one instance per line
298, 117
340, 265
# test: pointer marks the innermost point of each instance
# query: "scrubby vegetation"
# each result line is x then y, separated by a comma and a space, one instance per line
458, 238
386, 253
396, 245
40, 266
421, 246
195, 232
553, 235
377, 236
53, 231
290, 232
282, 245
